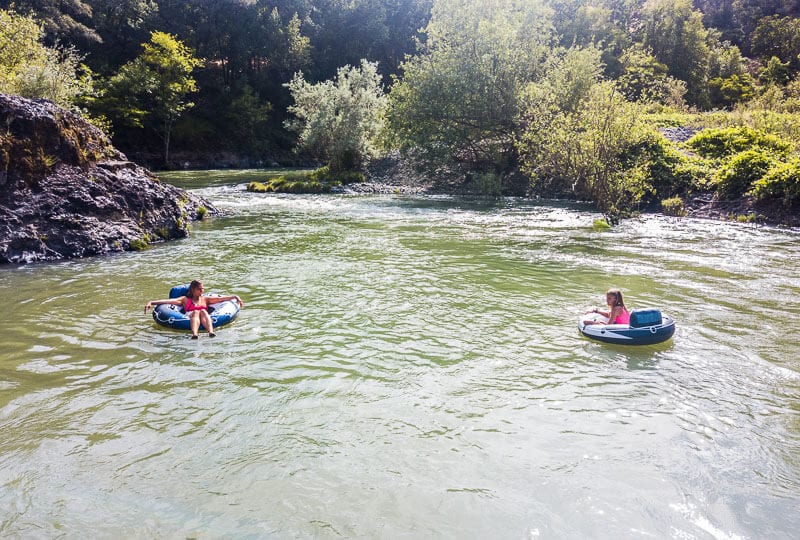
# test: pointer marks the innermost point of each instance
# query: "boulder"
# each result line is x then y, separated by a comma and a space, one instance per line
66, 192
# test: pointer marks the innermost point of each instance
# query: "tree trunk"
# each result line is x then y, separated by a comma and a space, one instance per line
167, 130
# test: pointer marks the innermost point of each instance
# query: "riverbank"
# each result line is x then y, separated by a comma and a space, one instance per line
394, 175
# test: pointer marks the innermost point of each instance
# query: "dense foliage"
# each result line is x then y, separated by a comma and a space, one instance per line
339, 121
568, 93
29, 68
459, 98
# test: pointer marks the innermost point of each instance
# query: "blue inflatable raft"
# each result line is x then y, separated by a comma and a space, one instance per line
175, 317
647, 327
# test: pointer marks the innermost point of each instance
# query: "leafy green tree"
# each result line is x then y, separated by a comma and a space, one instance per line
645, 79
247, 117
673, 30
775, 72
31, 69
600, 148
339, 120
152, 90
731, 90
778, 37
459, 98
568, 81
122, 26
62, 20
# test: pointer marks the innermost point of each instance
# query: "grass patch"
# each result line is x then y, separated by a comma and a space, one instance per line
600, 225
321, 180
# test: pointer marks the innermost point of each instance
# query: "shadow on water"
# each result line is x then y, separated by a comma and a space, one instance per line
636, 357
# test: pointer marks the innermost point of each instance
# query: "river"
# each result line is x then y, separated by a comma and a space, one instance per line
406, 367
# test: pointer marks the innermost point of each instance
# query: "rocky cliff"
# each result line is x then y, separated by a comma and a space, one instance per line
66, 192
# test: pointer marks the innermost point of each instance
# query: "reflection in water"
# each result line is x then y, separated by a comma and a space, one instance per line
406, 365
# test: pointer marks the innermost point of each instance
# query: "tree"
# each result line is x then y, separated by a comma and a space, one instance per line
61, 19
645, 79
775, 72
459, 99
673, 30
600, 147
339, 120
152, 90
731, 90
778, 37
29, 68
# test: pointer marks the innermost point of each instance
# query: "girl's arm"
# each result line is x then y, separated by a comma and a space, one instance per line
173, 301
217, 299
614, 313
600, 312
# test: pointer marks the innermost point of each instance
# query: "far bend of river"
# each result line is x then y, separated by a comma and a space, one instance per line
406, 367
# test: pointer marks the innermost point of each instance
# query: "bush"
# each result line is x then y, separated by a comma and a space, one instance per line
325, 175
318, 181
739, 174
782, 182
339, 120
672, 172
673, 207
488, 184
720, 143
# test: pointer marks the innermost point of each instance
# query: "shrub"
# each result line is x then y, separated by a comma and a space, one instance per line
782, 182
723, 142
201, 212
601, 148
739, 174
139, 244
673, 207
326, 175
339, 120
318, 181
258, 187
600, 224
670, 172
488, 184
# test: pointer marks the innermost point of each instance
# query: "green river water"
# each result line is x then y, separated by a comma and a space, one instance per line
406, 367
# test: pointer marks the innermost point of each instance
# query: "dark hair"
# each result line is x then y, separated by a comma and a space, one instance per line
617, 294
194, 285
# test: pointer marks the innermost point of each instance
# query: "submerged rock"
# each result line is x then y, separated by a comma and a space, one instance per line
66, 192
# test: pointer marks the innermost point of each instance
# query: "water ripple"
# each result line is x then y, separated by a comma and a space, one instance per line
407, 365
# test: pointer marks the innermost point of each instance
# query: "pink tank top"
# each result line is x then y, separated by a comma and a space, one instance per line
191, 306
623, 318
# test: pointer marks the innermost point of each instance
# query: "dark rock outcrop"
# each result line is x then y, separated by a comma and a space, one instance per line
66, 192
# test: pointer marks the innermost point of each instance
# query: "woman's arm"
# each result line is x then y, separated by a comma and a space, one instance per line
174, 301
217, 299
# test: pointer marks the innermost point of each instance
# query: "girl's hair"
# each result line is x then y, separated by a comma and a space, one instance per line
617, 294
194, 285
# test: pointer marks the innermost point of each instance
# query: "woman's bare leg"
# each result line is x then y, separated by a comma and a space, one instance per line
194, 323
207, 324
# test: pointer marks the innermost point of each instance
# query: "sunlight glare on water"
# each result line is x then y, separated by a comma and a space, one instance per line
406, 367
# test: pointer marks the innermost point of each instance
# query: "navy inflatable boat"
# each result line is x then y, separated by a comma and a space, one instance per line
174, 316
647, 327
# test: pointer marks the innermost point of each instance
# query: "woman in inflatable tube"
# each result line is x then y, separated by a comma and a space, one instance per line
196, 307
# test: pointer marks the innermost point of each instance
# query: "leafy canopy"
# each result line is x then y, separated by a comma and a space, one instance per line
339, 120
459, 98
31, 69
152, 90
